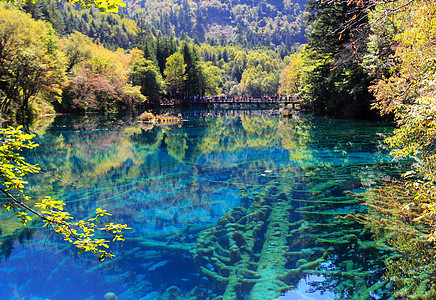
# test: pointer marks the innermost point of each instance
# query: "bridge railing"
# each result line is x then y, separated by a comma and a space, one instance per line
232, 100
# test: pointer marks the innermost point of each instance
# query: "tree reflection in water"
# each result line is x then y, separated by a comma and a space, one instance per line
225, 205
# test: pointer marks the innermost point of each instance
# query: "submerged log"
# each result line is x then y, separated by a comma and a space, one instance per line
262, 251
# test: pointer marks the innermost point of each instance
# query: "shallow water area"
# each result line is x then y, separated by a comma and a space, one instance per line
227, 204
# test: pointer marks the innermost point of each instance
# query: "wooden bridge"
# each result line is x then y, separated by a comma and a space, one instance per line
236, 102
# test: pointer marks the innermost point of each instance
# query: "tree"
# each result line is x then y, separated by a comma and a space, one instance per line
335, 82
48, 11
165, 47
145, 74
290, 77
259, 77
409, 94
101, 83
193, 71
30, 60
401, 57
13, 168
92, 92
76, 48
175, 75
212, 79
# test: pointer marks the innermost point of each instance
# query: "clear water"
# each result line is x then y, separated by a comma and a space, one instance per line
173, 184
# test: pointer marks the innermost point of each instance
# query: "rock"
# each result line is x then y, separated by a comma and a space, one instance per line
110, 296
172, 293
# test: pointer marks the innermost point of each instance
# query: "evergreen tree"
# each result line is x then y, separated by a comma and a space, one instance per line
47, 10
149, 50
193, 82
335, 82
165, 47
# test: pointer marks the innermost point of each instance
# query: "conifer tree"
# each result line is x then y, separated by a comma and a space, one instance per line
335, 82
193, 83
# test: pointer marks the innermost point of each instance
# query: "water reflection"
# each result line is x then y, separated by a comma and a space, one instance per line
225, 205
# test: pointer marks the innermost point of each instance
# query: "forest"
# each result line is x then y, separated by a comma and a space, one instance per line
110, 62
355, 59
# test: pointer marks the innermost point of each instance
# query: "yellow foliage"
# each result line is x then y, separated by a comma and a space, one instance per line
291, 75
416, 74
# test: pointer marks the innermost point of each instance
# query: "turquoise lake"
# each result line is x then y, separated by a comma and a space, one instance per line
228, 204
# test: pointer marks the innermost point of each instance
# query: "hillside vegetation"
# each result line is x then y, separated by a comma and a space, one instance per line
274, 24
270, 23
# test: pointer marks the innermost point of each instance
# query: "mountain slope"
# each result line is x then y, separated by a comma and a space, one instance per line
270, 23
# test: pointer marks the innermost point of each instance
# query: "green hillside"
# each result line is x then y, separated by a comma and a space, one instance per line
250, 23
276, 24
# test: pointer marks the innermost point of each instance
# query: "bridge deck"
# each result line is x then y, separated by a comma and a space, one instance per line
236, 102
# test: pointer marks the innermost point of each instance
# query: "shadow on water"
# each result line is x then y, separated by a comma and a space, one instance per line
231, 204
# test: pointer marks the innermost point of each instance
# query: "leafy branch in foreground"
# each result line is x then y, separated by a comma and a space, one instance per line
83, 233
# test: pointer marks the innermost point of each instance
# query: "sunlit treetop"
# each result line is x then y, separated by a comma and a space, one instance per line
102, 5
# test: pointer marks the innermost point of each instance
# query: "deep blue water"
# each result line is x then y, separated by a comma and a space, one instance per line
174, 183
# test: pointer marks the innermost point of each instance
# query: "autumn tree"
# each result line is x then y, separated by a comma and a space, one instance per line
408, 92
30, 60
290, 77
101, 83
402, 60
77, 49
